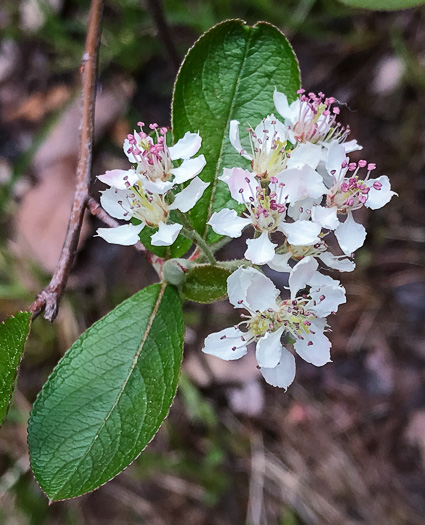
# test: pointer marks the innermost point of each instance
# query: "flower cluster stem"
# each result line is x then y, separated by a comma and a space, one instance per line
192, 234
235, 264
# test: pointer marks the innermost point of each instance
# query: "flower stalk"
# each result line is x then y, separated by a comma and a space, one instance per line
193, 235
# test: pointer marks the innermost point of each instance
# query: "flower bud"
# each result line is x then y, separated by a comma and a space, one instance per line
174, 271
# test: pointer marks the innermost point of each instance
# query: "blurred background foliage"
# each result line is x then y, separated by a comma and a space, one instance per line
346, 443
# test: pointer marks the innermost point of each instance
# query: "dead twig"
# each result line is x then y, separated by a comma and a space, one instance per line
48, 299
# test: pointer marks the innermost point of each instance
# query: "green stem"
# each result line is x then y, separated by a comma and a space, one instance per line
235, 264
192, 234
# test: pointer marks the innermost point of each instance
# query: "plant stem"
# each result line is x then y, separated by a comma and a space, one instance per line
235, 264
192, 234
48, 299
199, 241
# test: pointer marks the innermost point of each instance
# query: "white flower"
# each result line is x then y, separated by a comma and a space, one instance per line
311, 118
144, 194
268, 142
154, 159
270, 152
266, 210
302, 317
152, 209
347, 193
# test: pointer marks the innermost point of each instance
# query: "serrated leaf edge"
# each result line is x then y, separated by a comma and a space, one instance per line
156, 307
243, 23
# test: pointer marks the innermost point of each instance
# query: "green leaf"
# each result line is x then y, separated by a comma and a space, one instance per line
383, 5
206, 284
108, 395
230, 73
13, 334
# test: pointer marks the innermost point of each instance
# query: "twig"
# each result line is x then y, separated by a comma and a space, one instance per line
49, 298
96, 209
157, 10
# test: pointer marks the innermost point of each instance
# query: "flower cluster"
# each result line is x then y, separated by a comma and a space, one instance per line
146, 193
300, 189
302, 317
301, 184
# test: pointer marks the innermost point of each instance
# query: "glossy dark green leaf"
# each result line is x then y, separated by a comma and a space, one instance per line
108, 395
206, 284
13, 334
230, 73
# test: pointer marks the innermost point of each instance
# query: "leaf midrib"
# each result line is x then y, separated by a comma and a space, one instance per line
223, 140
120, 393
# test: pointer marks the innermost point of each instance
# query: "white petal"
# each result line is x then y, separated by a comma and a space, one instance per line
280, 262
351, 145
235, 140
130, 156
378, 198
166, 234
283, 374
125, 235
229, 344
288, 112
119, 178
261, 249
301, 233
252, 288
227, 173
342, 265
350, 235
159, 186
188, 169
238, 283
301, 274
336, 156
227, 222
326, 299
305, 153
319, 279
269, 349
326, 217
186, 147
299, 183
242, 184
113, 202
187, 198
314, 348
